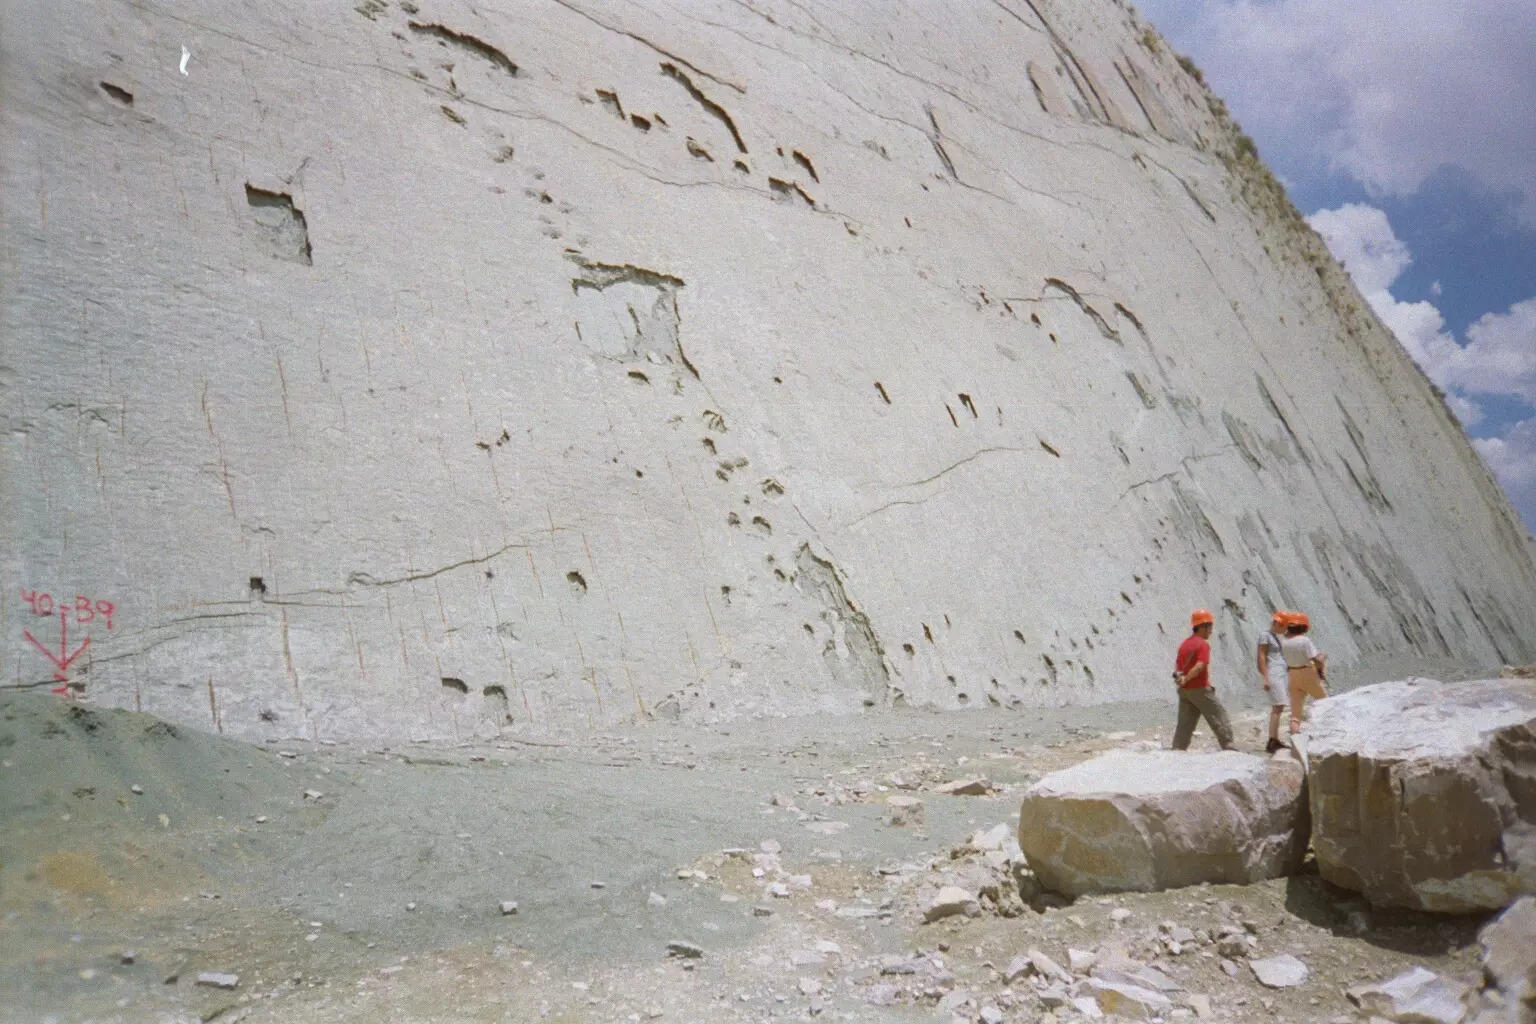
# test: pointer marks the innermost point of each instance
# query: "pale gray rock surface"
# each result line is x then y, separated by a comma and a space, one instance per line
1509, 948
1509, 966
949, 901
1151, 820
405, 373
1123, 999
1416, 996
1423, 793
1283, 971
1047, 968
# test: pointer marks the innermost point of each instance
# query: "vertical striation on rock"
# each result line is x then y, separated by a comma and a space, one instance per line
841, 361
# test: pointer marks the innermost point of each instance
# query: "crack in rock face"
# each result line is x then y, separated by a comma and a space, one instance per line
742, 367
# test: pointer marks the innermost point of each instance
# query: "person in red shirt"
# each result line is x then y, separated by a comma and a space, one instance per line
1197, 697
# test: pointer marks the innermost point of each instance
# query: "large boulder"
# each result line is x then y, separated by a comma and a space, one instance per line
1423, 793
1160, 819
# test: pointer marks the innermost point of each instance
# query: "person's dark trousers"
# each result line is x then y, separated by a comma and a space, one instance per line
1198, 703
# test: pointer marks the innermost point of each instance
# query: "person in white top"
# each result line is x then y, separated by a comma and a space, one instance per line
1307, 666
1273, 676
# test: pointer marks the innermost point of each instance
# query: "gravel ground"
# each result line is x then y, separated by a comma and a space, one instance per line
342, 883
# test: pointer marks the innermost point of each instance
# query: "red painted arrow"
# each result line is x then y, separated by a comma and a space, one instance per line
62, 660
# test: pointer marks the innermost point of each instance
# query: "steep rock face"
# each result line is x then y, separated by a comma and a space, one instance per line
429, 369
1423, 793
1141, 821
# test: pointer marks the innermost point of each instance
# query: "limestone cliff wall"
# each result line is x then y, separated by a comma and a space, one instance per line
431, 369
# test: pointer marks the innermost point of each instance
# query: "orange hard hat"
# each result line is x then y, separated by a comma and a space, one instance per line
1201, 617
1282, 618
1300, 619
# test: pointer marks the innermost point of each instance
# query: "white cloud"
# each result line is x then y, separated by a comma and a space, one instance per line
1467, 411
1497, 359
1361, 238
1388, 91
1512, 458
1421, 329
1500, 355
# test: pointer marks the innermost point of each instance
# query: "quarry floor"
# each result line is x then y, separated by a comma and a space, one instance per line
347, 883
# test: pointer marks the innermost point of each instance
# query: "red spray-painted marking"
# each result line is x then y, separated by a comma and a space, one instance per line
62, 660
83, 610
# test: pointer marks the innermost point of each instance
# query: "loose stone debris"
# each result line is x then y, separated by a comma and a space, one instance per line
956, 927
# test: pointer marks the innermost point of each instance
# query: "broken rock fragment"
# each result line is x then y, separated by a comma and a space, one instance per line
1047, 968
1088, 1007
1126, 1000
1142, 821
1418, 996
965, 787
949, 901
1283, 971
1509, 960
904, 809
684, 949
1018, 969
1422, 792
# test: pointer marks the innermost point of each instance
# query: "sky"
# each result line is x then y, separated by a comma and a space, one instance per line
1405, 131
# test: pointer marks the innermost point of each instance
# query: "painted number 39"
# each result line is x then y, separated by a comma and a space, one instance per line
83, 609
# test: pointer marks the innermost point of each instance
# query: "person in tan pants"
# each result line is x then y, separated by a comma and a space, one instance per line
1308, 668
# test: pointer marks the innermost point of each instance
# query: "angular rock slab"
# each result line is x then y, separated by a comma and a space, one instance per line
1147, 820
1418, 996
1509, 966
1423, 794
1283, 971
1509, 949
